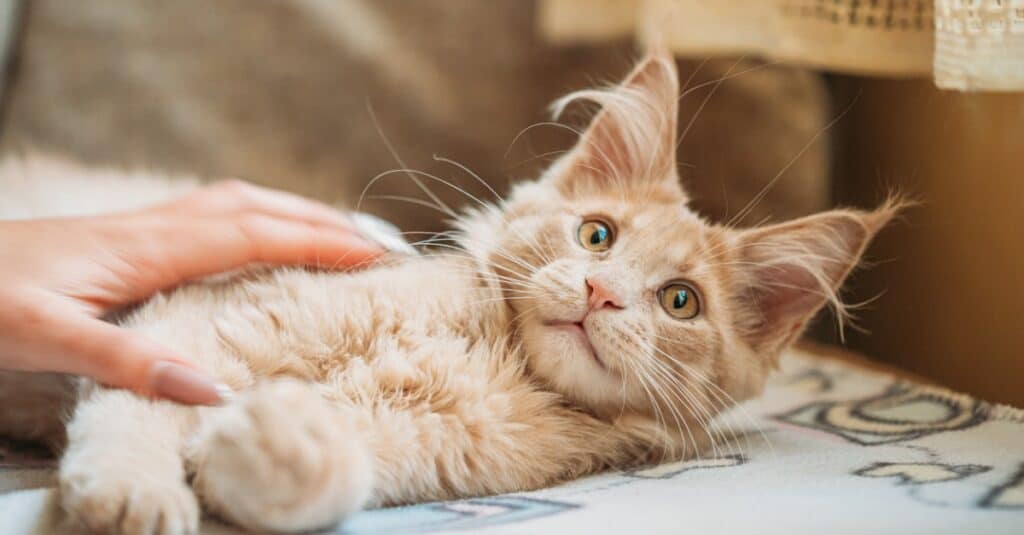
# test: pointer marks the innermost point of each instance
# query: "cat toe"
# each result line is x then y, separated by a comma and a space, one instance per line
127, 504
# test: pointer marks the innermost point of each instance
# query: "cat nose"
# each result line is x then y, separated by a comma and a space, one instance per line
600, 296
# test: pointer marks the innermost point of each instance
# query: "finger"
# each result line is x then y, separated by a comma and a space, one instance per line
276, 241
235, 196
121, 358
227, 244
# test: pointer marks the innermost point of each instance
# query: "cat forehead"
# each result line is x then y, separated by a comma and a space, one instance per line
666, 233
653, 224
675, 240
674, 220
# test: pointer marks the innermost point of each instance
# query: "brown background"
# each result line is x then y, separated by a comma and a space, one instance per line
279, 93
949, 279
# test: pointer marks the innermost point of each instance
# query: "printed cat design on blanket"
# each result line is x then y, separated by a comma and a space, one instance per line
901, 426
901, 413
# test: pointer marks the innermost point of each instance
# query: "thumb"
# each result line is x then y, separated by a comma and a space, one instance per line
124, 359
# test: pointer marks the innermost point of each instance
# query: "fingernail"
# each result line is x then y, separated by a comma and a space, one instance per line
381, 233
343, 219
177, 382
225, 393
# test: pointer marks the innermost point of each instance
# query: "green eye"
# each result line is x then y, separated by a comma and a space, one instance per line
679, 300
595, 235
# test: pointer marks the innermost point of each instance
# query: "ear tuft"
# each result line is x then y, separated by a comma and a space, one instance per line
791, 270
632, 139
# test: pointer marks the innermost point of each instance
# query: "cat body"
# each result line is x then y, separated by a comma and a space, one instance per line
589, 320
396, 384
378, 388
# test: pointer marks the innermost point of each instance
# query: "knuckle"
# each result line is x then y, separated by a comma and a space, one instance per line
230, 195
25, 309
252, 225
254, 231
234, 186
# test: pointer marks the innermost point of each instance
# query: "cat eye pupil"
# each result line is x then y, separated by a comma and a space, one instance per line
599, 235
680, 299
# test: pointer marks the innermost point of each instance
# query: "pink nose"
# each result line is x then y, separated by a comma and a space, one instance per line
600, 296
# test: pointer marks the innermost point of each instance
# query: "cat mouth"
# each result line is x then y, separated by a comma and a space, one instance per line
577, 330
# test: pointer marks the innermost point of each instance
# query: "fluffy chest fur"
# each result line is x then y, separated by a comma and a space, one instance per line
318, 325
421, 356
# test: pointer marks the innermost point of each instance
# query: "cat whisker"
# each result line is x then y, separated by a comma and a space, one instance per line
703, 414
350, 266
729, 77
434, 237
487, 275
410, 200
498, 300
394, 154
522, 313
555, 124
681, 404
655, 405
680, 420
726, 401
686, 84
661, 396
764, 191
700, 108
531, 269
534, 157
601, 97
730, 405
462, 238
706, 416
511, 288
497, 197
424, 174
682, 393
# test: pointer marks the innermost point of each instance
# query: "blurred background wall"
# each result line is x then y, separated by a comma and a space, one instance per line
949, 280
280, 92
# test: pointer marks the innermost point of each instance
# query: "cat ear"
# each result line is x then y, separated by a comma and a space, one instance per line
633, 137
791, 270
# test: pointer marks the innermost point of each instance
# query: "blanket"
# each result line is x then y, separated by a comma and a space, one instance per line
829, 448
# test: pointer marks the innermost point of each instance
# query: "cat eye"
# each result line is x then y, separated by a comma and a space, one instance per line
679, 300
595, 235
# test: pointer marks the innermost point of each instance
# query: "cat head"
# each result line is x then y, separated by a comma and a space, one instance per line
623, 297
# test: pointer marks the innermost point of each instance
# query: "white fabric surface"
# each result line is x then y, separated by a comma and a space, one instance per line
842, 451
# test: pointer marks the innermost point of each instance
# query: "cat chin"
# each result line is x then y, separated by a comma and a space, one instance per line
577, 336
564, 357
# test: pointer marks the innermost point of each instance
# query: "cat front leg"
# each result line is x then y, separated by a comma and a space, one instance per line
281, 458
122, 471
473, 439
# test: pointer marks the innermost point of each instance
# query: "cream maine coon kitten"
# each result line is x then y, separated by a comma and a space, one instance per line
591, 320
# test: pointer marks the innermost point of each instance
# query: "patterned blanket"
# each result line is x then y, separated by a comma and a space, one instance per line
830, 448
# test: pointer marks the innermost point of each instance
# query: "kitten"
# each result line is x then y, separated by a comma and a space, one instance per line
588, 321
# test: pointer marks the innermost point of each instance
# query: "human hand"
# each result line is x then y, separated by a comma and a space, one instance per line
59, 276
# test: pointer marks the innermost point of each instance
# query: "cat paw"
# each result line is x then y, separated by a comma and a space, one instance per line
128, 502
283, 459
